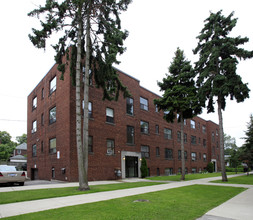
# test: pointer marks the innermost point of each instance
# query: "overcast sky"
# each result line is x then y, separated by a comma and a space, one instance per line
156, 29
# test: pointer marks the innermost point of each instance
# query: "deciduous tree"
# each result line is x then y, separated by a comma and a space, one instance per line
21, 139
216, 68
7, 146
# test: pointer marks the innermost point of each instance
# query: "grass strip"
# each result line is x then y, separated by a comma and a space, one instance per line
187, 176
27, 195
188, 202
247, 179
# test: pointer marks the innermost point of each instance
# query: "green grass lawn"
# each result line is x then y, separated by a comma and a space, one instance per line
188, 202
26, 195
238, 180
187, 176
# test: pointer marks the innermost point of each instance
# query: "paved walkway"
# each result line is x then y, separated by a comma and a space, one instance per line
240, 207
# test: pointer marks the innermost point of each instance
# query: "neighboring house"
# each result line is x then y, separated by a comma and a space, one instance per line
21, 150
120, 134
19, 158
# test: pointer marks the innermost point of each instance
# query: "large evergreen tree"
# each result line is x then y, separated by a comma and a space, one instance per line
180, 96
92, 29
216, 68
247, 148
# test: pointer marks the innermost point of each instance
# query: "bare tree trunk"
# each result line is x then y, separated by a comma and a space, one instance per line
221, 133
83, 183
86, 103
182, 146
81, 171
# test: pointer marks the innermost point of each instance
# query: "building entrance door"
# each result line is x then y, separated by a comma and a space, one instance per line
34, 174
214, 167
131, 167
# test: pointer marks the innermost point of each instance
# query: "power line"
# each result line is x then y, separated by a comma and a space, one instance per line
13, 120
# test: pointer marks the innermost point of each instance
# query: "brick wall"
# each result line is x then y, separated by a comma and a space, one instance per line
102, 165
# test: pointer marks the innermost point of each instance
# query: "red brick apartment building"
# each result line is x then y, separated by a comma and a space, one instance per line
120, 134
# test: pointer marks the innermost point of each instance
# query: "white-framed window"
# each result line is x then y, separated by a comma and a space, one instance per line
34, 126
109, 115
34, 150
179, 154
193, 139
145, 151
52, 115
167, 133
213, 137
90, 115
130, 134
193, 124
34, 103
129, 106
168, 171
168, 154
194, 156
144, 127
144, 103
204, 142
156, 108
204, 157
157, 151
52, 85
52, 146
204, 129
185, 138
157, 129
178, 136
110, 146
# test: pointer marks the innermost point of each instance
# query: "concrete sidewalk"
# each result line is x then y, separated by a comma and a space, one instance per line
240, 207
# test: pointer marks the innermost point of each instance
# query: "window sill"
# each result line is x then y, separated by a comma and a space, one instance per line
128, 144
110, 123
145, 133
110, 154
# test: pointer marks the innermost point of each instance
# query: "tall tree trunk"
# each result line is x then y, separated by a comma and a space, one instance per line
81, 171
86, 103
221, 133
83, 184
182, 146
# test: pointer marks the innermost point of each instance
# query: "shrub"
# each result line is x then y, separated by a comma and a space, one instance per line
209, 167
231, 169
144, 168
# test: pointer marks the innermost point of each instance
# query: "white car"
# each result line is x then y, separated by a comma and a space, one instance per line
9, 174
